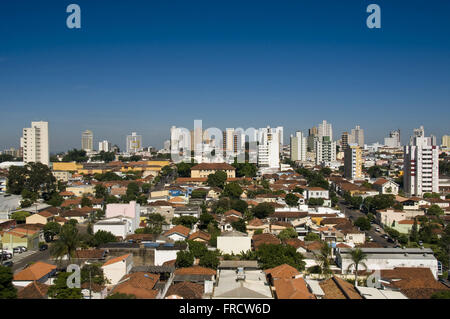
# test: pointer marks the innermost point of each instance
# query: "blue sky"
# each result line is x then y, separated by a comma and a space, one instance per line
146, 65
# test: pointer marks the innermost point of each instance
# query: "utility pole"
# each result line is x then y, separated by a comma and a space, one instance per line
90, 285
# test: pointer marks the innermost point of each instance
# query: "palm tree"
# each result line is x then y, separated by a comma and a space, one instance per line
358, 257
324, 259
68, 241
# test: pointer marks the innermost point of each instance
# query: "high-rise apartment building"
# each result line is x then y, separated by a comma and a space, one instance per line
312, 133
325, 150
35, 143
357, 136
446, 141
134, 143
393, 140
421, 165
87, 141
298, 147
269, 148
325, 129
353, 162
344, 141
104, 146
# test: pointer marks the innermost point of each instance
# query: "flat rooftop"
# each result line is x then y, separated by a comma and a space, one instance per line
254, 286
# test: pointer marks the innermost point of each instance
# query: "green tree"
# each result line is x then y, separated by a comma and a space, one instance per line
33, 177
100, 191
59, 289
184, 169
51, 229
239, 205
245, 169
68, 241
375, 171
92, 273
7, 289
86, 202
316, 201
133, 190
75, 155
217, 179
444, 294
324, 260
55, 200
270, 255
232, 190
239, 225
363, 223
435, 210
312, 237
291, 200
357, 257
263, 210
184, 259
20, 216
197, 249
187, 221
414, 236
287, 233
210, 259
326, 171
103, 237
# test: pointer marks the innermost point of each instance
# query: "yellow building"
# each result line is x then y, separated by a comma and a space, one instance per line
67, 166
81, 190
353, 162
205, 169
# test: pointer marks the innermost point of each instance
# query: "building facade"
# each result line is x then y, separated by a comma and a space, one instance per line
421, 165
87, 141
353, 162
35, 143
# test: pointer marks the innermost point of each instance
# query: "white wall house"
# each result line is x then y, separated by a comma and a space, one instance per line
389, 258
120, 226
115, 268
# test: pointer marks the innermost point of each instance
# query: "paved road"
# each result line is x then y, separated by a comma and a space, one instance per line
353, 215
21, 260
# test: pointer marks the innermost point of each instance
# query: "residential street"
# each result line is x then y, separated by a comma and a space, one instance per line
355, 214
20, 260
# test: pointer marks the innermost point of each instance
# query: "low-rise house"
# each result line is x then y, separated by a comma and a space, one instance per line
80, 190
79, 215
256, 224
292, 289
243, 284
22, 235
139, 284
40, 272
390, 216
179, 232
195, 274
233, 213
34, 290
193, 211
185, 290
119, 226
261, 239
131, 210
390, 258
415, 283
200, 236
117, 267
43, 217
337, 288
386, 186
93, 291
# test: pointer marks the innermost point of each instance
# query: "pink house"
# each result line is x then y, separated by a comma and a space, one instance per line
132, 210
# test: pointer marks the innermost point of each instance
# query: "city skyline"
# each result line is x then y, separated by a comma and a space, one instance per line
167, 64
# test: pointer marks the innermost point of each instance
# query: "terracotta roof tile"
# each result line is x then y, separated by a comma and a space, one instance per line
34, 272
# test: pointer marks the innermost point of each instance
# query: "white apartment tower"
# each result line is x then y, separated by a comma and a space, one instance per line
298, 147
325, 150
357, 136
269, 148
35, 143
104, 146
393, 140
325, 129
421, 165
87, 141
134, 143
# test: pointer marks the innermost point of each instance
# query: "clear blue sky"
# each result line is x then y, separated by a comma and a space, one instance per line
146, 65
